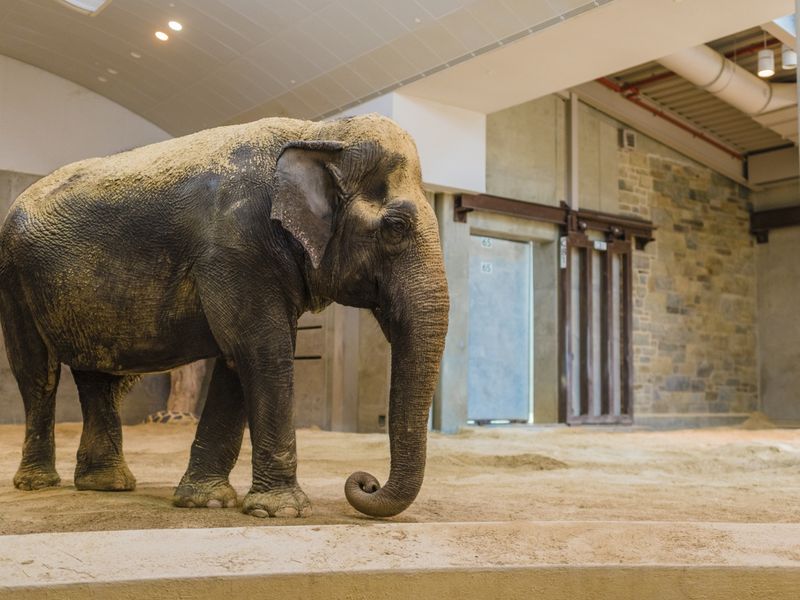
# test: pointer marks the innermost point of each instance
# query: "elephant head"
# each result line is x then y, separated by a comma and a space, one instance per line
350, 192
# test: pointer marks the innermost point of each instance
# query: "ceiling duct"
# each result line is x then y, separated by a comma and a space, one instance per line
772, 105
711, 71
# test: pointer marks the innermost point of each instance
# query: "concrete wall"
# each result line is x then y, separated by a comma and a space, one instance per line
526, 154
47, 122
778, 323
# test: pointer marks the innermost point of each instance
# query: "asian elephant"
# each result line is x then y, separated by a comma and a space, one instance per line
212, 245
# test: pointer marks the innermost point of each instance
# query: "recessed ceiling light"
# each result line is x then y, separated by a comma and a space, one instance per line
112, 71
175, 26
101, 78
162, 36
292, 81
136, 55
417, 20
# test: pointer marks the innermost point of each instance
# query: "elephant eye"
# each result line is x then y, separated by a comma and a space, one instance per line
396, 225
398, 221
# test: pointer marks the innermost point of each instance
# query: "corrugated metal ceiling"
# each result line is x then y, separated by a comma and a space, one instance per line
704, 110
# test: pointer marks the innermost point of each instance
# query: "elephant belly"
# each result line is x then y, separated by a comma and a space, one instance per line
126, 320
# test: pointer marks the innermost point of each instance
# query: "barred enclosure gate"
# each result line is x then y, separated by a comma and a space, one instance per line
596, 277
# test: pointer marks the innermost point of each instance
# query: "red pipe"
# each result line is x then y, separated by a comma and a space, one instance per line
632, 95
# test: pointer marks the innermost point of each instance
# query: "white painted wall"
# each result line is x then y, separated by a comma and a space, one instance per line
47, 122
451, 141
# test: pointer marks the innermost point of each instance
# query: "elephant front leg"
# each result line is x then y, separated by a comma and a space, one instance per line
268, 385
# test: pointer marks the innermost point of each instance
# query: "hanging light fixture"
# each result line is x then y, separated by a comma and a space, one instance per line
766, 60
788, 58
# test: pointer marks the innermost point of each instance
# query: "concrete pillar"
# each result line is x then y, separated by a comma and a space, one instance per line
573, 198
545, 332
450, 400
797, 49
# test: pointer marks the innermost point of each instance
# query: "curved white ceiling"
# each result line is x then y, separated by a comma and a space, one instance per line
239, 60
242, 59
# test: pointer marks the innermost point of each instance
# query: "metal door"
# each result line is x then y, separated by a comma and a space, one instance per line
500, 368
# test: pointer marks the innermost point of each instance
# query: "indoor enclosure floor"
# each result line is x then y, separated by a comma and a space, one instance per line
737, 475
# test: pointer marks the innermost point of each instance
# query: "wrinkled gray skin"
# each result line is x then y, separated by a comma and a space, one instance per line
212, 245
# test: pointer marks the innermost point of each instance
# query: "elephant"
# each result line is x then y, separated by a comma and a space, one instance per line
212, 245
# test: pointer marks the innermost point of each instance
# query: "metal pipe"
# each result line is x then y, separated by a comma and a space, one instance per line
708, 69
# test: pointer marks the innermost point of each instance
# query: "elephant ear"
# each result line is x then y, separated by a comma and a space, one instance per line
305, 191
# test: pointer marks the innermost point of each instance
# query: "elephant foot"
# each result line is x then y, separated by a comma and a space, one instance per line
36, 478
204, 494
114, 478
289, 501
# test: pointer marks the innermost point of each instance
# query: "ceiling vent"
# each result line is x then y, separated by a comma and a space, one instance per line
87, 7
627, 139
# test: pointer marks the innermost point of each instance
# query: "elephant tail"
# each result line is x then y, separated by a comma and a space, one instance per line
11, 230
7, 269
5, 266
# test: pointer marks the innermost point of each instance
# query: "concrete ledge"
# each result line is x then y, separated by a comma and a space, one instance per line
689, 420
544, 583
522, 559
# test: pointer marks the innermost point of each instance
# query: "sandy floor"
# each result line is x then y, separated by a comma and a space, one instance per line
498, 474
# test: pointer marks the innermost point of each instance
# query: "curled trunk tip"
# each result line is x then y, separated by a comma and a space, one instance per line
364, 493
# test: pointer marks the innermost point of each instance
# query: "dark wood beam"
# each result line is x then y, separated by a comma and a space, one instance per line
466, 203
762, 222
615, 226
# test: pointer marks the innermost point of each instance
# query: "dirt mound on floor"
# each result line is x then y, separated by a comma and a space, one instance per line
758, 420
535, 462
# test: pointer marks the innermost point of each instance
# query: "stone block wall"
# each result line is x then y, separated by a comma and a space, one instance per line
694, 287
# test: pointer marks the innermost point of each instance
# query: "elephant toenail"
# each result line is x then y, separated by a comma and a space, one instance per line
214, 504
259, 512
286, 511
189, 504
230, 503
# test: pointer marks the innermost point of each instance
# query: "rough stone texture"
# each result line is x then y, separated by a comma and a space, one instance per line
694, 288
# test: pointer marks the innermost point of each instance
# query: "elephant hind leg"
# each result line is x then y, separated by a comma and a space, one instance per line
37, 373
101, 464
216, 444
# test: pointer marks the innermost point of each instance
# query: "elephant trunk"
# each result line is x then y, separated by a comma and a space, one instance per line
416, 324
